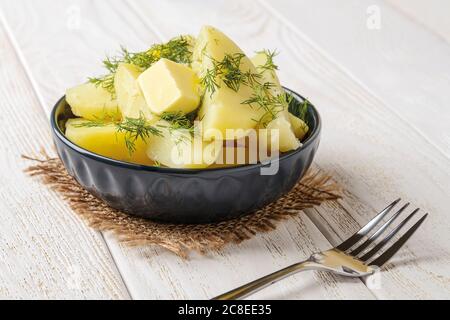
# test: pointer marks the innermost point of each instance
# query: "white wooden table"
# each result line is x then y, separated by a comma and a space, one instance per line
379, 72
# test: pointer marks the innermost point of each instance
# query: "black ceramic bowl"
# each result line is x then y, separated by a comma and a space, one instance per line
183, 195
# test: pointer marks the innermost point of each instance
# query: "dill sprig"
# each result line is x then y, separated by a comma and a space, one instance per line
179, 120
270, 64
95, 123
106, 82
178, 50
228, 70
297, 108
209, 81
132, 128
263, 98
180, 123
156, 163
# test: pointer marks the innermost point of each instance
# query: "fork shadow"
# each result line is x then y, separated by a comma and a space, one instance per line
399, 262
292, 293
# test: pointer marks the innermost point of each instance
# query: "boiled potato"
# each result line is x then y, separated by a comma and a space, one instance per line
106, 141
281, 129
170, 87
236, 152
92, 102
179, 149
282, 122
241, 119
125, 83
129, 95
268, 75
224, 109
299, 126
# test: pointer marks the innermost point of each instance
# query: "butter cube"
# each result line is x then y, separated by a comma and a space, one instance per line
170, 87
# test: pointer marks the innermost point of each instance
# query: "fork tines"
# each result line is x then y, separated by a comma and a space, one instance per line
368, 248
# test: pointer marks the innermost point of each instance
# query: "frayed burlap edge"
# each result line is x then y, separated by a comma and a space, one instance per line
315, 188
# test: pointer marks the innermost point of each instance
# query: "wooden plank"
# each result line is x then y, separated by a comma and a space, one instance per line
432, 14
403, 64
45, 251
365, 144
157, 274
376, 154
151, 273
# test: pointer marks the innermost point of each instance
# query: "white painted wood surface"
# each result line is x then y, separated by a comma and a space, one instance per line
383, 98
431, 14
45, 251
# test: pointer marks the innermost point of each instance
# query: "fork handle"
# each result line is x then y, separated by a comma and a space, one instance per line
261, 283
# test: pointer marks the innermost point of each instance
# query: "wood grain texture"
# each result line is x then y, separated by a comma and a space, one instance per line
45, 251
355, 146
153, 273
378, 157
405, 65
431, 14
379, 148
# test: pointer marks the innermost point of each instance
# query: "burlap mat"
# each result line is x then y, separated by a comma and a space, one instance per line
315, 188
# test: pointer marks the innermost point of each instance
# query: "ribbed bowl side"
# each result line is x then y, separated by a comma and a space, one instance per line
182, 197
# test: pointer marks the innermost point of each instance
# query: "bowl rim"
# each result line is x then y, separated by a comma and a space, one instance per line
61, 136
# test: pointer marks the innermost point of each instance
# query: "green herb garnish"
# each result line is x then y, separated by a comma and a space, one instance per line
263, 98
179, 120
156, 163
228, 70
269, 65
297, 108
133, 129
178, 50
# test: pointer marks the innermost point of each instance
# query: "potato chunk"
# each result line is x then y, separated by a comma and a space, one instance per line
224, 109
287, 139
92, 102
179, 149
299, 126
129, 95
282, 122
125, 83
268, 75
170, 87
106, 141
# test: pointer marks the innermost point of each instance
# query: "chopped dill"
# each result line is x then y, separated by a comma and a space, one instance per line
209, 81
264, 99
297, 108
178, 50
270, 64
179, 120
106, 82
156, 163
132, 128
91, 124
135, 129
228, 70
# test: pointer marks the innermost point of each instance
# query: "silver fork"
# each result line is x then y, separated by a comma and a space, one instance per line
347, 259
